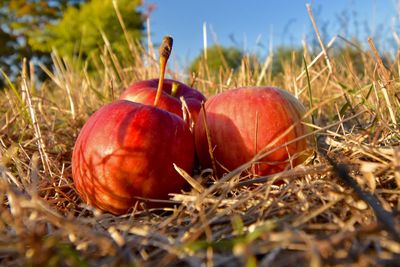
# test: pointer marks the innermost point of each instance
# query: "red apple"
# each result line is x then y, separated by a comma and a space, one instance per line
145, 92
127, 150
243, 121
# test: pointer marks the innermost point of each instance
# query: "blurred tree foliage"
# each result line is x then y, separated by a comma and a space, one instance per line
217, 57
285, 55
345, 55
351, 56
32, 28
285, 58
18, 19
79, 31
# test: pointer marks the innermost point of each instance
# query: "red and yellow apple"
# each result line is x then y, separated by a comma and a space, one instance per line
243, 121
165, 93
127, 150
145, 92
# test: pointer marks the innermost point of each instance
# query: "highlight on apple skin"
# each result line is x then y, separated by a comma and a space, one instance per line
127, 150
245, 120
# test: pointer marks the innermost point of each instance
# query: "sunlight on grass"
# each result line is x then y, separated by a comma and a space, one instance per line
316, 217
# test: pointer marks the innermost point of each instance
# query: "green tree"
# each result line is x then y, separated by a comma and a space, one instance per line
217, 57
351, 56
18, 19
79, 31
286, 55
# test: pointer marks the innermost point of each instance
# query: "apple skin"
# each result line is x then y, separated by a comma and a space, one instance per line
145, 92
127, 150
234, 117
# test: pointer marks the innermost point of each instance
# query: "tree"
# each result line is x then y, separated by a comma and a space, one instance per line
79, 31
32, 28
286, 55
352, 56
217, 57
18, 19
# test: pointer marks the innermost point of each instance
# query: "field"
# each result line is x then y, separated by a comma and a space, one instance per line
340, 208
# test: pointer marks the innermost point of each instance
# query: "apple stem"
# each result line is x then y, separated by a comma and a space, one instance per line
165, 51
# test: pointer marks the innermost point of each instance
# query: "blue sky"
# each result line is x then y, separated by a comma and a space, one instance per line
252, 24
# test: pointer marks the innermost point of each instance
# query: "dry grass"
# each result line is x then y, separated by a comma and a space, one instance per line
340, 208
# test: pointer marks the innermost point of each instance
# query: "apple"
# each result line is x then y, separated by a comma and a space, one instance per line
145, 92
165, 93
126, 151
243, 121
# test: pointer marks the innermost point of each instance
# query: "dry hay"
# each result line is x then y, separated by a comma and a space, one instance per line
340, 208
